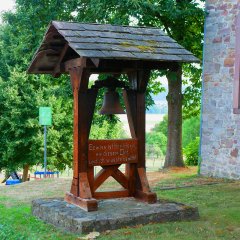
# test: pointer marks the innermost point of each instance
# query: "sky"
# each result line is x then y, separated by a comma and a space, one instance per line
6, 5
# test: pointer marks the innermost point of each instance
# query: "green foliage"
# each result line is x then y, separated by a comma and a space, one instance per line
21, 95
191, 130
162, 126
156, 144
18, 120
107, 130
191, 152
21, 140
21, 34
192, 93
182, 20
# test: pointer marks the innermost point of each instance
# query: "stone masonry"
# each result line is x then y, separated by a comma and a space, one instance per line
112, 214
220, 142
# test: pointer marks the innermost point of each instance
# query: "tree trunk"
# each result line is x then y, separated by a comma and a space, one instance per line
174, 155
25, 173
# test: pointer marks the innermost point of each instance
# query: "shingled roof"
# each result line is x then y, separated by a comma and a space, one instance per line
68, 40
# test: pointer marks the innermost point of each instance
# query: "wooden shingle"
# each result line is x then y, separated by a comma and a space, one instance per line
105, 41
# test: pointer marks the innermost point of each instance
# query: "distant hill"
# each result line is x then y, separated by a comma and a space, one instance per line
160, 106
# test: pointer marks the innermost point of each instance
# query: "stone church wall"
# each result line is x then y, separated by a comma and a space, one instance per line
220, 138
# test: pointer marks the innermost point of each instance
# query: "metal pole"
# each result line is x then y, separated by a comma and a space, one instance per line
45, 150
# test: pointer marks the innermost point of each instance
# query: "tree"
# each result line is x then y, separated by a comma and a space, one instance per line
21, 141
21, 94
162, 126
17, 101
157, 139
23, 30
174, 156
183, 21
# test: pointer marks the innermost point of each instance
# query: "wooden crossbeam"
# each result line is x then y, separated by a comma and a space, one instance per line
112, 194
75, 63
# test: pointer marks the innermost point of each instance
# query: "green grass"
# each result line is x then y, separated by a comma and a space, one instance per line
219, 207
18, 223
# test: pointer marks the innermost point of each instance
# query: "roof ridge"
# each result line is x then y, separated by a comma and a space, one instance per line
108, 24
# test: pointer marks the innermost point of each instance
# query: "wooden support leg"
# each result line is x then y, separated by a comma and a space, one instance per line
84, 103
74, 187
135, 106
85, 200
88, 205
84, 187
130, 173
145, 193
91, 177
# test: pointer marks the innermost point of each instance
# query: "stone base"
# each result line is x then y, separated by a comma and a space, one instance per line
111, 214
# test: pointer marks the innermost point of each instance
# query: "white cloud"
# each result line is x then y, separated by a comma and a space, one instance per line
6, 5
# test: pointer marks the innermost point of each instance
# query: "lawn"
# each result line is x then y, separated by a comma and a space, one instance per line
218, 203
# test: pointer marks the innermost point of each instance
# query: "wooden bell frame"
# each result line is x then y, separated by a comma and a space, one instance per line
134, 181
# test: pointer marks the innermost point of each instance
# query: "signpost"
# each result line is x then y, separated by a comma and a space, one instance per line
45, 119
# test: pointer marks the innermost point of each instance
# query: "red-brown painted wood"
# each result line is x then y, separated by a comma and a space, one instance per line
84, 187
103, 175
112, 152
113, 194
109, 154
88, 205
121, 178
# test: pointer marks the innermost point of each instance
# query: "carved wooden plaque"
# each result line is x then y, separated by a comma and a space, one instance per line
111, 152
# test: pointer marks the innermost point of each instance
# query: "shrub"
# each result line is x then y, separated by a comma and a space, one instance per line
191, 152
190, 130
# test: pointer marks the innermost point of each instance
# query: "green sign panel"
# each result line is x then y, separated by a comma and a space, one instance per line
45, 116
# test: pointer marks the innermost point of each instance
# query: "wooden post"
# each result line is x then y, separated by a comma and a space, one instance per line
75, 76
135, 107
84, 103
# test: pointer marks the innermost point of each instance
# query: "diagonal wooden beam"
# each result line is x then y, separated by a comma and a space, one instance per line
121, 178
129, 97
143, 179
105, 173
57, 70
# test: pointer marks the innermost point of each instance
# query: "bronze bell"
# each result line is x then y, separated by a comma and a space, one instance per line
111, 104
